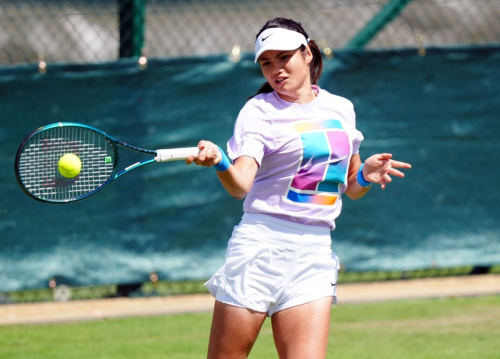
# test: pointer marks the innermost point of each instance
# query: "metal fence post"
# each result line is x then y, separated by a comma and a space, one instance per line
377, 23
132, 18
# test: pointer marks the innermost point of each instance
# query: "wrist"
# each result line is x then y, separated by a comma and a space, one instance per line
224, 162
361, 179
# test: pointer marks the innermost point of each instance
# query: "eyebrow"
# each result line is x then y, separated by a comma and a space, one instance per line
266, 58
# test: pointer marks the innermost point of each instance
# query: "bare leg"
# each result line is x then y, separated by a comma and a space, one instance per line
234, 331
302, 331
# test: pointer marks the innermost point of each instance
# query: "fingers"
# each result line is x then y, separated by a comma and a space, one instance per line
383, 183
208, 156
384, 156
190, 159
380, 167
386, 179
395, 172
399, 164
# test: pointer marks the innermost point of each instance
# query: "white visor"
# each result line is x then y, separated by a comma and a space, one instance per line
278, 39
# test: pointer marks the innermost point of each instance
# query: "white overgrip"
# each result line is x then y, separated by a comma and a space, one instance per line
175, 154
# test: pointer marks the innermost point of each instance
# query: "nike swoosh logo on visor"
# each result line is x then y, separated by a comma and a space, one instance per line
264, 38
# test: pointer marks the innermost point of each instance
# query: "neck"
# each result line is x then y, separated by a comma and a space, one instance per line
302, 96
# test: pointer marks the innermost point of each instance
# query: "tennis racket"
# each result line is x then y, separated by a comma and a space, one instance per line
67, 162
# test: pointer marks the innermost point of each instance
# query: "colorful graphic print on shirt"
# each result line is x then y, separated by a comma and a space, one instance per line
325, 159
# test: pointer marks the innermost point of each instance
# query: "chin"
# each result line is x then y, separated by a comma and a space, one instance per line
286, 90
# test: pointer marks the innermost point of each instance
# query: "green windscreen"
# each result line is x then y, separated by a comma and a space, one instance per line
439, 112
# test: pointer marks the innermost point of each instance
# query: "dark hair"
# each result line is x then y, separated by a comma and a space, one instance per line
316, 65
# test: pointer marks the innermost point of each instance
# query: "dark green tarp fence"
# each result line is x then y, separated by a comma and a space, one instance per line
439, 112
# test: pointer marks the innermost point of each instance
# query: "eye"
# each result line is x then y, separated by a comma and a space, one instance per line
264, 63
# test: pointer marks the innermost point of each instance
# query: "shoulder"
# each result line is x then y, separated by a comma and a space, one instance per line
259, 109
340, 106
255, 116
259, 104
337, 101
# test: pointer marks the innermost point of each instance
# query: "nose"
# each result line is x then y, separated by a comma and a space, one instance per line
277, 69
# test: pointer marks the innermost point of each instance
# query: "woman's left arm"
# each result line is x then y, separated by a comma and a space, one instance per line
354, 189
376, 169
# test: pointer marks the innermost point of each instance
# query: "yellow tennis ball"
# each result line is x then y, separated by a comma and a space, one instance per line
69, 165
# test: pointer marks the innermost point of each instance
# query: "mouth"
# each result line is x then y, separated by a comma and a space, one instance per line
280, 80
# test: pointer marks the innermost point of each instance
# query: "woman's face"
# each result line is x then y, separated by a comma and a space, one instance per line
287, 71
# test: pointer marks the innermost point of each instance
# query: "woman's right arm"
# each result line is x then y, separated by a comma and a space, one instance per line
237, 179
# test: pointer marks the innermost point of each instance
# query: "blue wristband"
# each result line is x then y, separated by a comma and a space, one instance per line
224, 163
361, 179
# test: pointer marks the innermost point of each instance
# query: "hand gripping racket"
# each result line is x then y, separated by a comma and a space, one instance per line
65, 162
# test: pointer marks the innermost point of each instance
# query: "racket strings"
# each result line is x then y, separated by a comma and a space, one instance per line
38, 163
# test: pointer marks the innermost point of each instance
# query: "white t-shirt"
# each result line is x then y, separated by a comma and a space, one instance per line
303, 152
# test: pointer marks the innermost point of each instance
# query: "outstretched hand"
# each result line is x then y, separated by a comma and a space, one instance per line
378, 168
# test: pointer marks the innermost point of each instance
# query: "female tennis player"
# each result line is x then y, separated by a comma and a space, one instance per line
295, 151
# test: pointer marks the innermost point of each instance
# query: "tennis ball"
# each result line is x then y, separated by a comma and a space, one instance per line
69, 165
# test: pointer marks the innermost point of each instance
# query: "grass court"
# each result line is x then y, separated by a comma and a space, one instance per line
432, 328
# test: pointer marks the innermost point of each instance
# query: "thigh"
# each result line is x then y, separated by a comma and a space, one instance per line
302, 331
234, 331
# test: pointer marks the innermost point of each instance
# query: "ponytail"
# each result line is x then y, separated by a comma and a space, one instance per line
316, 65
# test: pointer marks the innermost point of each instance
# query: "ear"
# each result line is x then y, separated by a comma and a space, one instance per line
309, 55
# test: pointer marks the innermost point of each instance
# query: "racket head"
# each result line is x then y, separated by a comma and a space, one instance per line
37, 160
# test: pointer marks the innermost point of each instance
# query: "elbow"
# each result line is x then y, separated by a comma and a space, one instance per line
355, 195
239, 194
354, 198
238, 190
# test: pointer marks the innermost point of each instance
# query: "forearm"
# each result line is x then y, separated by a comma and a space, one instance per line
354, 189
237, 178
236, 182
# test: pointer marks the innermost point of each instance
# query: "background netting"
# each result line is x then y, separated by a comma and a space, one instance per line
90, 32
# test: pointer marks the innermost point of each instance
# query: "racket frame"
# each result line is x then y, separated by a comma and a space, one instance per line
114, 174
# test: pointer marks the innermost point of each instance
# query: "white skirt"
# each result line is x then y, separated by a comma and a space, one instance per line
273, 264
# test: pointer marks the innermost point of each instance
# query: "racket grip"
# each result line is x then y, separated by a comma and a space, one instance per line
176, 154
